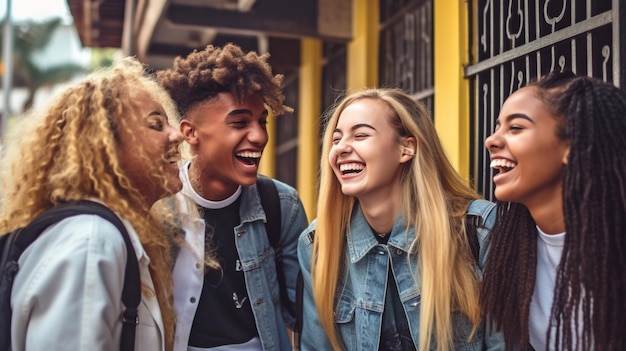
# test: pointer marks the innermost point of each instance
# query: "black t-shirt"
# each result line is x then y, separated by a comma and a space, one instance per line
395, 334
224, 315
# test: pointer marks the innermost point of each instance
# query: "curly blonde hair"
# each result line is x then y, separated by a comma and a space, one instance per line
69, 151
204, 74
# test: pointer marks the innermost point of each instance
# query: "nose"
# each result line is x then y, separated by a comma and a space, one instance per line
493, 142
342, 147
175, 136
258, 134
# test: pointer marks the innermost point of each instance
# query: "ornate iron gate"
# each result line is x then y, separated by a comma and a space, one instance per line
406, 48
515, 41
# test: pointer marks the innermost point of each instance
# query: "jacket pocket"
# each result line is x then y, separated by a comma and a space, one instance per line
344, 313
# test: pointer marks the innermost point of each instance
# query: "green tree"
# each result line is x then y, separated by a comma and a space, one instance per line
29, 38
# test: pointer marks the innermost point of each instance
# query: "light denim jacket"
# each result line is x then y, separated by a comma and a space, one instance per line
257, 259
361, 299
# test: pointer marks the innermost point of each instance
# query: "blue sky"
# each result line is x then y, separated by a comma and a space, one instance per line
36, 9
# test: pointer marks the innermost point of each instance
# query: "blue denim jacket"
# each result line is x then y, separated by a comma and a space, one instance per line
257, 259
361, 298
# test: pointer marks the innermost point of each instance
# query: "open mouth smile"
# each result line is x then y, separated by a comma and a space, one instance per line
502, 165
351, 168
249, 158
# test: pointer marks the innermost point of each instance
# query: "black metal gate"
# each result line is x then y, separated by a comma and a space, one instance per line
515, 41
406, 48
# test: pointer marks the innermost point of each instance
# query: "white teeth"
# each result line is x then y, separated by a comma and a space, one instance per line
501, 163
351, 167
248, 154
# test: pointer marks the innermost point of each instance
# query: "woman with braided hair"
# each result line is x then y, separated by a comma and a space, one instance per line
560, 150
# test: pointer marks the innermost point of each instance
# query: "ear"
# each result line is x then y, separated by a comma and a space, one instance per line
188, 129
566, 155
408, 148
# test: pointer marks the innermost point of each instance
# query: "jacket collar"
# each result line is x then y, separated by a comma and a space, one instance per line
361, 240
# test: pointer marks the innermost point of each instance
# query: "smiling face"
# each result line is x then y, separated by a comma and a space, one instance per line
526, 152
159, 141
227, 140
366, 154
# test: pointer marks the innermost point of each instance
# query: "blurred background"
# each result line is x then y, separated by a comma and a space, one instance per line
47, 52
462, 59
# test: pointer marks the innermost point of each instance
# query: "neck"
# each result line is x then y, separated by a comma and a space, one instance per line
548, 215
381, 213
209, 188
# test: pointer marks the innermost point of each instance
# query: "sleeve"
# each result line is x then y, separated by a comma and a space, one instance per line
68, 292
494, 340
313, 337
294, 221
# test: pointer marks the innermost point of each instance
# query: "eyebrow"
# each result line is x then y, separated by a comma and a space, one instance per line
246, 112
357, 126
513, 116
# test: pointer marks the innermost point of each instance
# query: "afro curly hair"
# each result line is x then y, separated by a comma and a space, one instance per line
204, 74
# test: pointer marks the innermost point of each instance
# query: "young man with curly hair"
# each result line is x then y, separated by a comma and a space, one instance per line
226, 286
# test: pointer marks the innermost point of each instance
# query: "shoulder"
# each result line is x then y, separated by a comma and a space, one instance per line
308, 234
483, 209
285, 190
79, 236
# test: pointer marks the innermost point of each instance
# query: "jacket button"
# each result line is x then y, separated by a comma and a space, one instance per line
399, 252
192, 300
198, 265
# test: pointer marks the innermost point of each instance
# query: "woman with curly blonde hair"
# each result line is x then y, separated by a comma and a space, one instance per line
107, 139
393, 260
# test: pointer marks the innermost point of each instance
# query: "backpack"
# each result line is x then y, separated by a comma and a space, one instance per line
14, 243
271, 206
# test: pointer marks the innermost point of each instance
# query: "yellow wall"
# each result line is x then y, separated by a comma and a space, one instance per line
451, 89
268, 161
362, 67
310, 96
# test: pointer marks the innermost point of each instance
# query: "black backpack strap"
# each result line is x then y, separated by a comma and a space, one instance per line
131, 293
271, 206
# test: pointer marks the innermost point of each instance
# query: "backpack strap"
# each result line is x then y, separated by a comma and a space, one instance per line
271, 206
131, 293
478, 225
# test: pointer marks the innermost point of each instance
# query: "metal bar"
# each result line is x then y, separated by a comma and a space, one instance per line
550, 39
617, 49
7, 75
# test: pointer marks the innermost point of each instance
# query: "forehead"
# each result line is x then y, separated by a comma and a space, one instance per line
224, 105
524, 101
371, 111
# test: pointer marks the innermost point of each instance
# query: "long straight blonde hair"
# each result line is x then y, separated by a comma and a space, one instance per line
447, 268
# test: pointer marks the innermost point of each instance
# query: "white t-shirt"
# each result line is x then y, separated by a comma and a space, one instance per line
549, 250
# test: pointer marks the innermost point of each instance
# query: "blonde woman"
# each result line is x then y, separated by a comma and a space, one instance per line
106, 138
393, 260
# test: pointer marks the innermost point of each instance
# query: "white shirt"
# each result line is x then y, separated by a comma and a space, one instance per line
67, 294
549, 251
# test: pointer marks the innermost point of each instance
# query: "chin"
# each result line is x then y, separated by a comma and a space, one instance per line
173, 187
503, 196
246, 180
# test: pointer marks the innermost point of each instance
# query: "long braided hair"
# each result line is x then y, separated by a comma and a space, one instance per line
589, 310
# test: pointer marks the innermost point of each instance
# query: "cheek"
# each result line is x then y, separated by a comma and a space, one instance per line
332, 157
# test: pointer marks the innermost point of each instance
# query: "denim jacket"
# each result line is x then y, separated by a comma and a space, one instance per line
257, 259
361, 296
